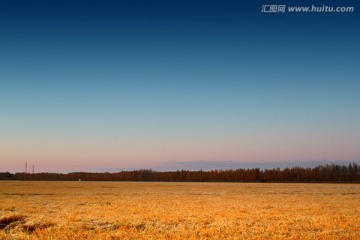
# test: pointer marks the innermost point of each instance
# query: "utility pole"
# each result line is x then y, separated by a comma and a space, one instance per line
33, 171
25, 167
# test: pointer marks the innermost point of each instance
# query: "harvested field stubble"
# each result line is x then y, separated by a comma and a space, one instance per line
134, 210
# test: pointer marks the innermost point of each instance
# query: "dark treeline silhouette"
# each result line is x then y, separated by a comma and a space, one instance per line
321, 173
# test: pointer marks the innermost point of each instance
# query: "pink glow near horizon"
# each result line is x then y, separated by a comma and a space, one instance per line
151, 154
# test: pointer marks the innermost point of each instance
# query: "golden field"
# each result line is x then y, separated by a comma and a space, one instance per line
140, 210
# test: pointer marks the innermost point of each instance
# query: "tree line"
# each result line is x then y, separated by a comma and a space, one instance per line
321, 173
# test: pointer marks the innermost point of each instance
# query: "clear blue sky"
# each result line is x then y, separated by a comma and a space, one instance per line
144, 84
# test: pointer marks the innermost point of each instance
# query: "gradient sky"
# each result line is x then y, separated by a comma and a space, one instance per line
90, 85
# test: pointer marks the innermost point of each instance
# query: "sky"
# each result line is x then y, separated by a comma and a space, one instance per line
99, 85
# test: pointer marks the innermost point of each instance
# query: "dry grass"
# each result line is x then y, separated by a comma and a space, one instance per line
118, 210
